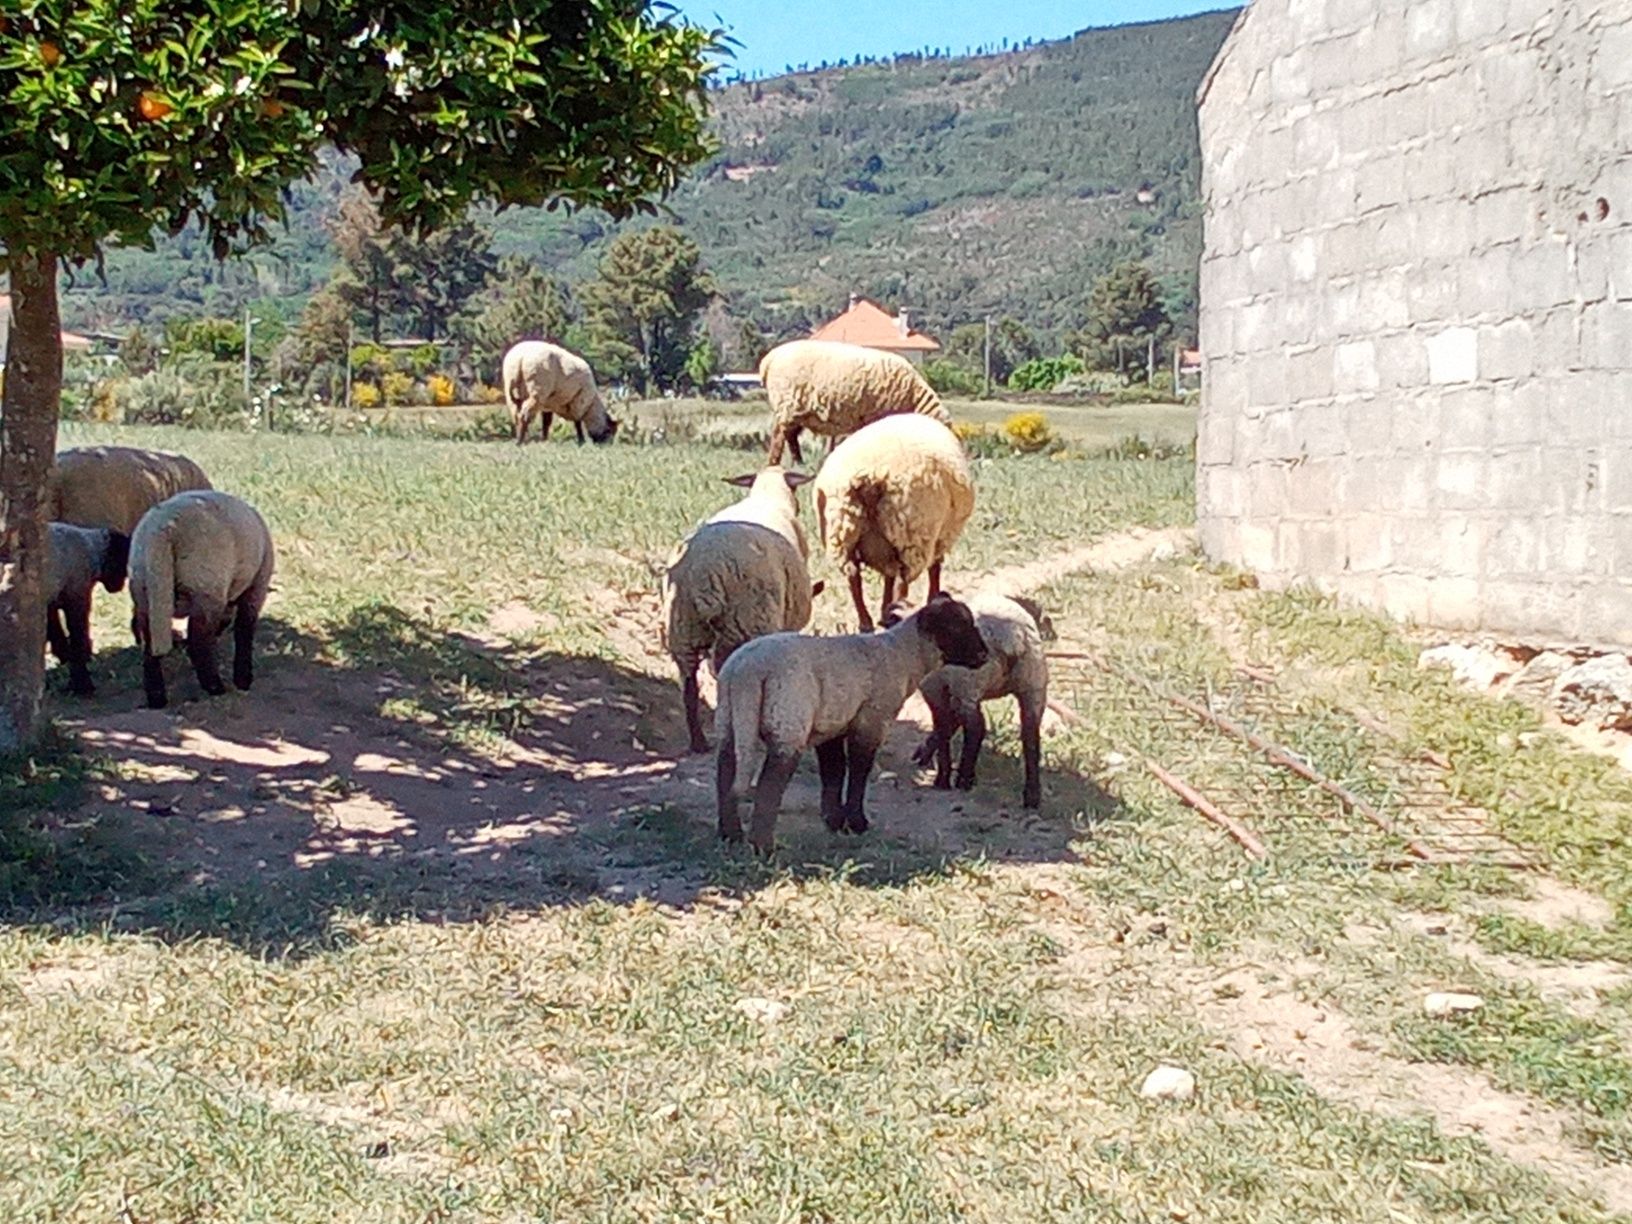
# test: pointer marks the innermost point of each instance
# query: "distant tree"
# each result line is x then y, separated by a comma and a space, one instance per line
138, 353
214, 338
119, 118
520, 302
702, 363
751, 345
1013, 345
1124, 314
439, 272
369, 281
645, 303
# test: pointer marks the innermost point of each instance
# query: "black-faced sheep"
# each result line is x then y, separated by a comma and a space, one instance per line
543, 379
786, 692
1014, 630
113, 486
205, 556
77, 558
894, 496
742, 574
833, 389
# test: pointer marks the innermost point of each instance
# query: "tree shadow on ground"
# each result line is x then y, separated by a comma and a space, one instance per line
388, 768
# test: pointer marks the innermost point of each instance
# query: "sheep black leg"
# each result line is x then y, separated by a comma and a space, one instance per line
522, 422
579, 426
1031, 750
153, 680
946, 726
692, 697
202, 627
830, 760
794, 448
78, 614
888, 597
779, 441
768, 791
934, 579
725, 781
859, 597
244, 620
974, 734
544, 424
861, 749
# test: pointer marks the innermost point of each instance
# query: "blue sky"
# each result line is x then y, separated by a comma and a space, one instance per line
776, 33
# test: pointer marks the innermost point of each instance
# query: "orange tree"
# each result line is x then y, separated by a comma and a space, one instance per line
122, 118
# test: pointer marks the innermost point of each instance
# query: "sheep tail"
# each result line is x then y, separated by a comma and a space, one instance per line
515, 387
740, 708
158, 566
929, 404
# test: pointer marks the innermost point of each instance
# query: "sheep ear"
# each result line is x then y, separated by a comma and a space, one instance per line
795, 479
742, 482
816, 588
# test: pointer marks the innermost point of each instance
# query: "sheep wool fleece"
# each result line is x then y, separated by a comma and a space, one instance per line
113, 486
196, 546
540, 377
73, 559
1016, 664
895, 495
832, 388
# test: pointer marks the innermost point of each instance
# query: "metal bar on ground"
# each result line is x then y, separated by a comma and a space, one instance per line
1193, 798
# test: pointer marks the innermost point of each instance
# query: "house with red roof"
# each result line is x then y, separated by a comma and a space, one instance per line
868, 324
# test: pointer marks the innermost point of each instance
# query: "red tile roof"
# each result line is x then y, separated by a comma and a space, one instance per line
865, 323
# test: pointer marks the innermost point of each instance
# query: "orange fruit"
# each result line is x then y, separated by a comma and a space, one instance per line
50, 54
273, 109
152, 106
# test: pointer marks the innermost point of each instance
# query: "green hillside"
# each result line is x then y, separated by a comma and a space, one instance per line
958, 186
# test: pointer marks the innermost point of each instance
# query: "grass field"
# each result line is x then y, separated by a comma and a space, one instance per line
431, 925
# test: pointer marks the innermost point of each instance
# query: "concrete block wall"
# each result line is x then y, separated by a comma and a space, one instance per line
1416, 308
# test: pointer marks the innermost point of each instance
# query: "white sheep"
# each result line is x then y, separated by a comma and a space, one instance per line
205, 556
743, 573
113, 486
833, 389
543, 379
1014, 630
76, 559
786, 692
894, 496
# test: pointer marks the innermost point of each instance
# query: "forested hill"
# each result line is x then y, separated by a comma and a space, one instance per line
957, 186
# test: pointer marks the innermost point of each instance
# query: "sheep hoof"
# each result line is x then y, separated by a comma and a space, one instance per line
966, 782
835, 821
82, 689
942, 782
925, 754
699, 745
856, 822
156, 703
1031, 801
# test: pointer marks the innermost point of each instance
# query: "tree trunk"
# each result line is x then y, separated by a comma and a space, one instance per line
28, 445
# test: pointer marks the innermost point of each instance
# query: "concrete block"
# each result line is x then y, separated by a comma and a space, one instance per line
1267, 381
1404, 596
1508, 76
1603, 265
1606, 336
1289, 548
1354, 368
1380, 183
1479, 21
1505, 215
1304, 258
1316, 143
1506, 351
1383, 303
1455, 106
1570, 478
1601, 614
1557, 335
1257, 546
1266, 493
1368, 543
1515, 482
1414, 543
1414, 483
1459, 480
1315, 489
1488, 289
1226, 384
1617, 485
1430, 28
1289, 77
1335, 195
1416, 425
1580, 545
1434, 294
1612, 65
1369, 428
1221, 493
1402, 361
1527, 608
1514, 547
1454, 603
1215, 439
1542, 276
1461, 546
1453, 356
1465, 419
1394, 240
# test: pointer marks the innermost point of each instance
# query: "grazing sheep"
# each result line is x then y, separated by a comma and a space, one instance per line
894, 496
113, 486
542, 379
833, 389
76, 559
742, 574
1014, 630
787, 692
208, 557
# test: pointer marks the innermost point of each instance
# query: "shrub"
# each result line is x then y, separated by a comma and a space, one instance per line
1091, 382
1044, 373
1028, 432
951, 378
441, 389
104, 406
484, 394
365, 395
204, 395
396, 387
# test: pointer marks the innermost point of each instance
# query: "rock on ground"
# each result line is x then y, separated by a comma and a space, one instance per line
1447, 1003
1597, 692
1167, 1083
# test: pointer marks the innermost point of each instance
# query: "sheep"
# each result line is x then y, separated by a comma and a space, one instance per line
894, 496
545, 379
786, 692
1014, 630
834, 389
113, 486
743, 573
206, 556
76, 559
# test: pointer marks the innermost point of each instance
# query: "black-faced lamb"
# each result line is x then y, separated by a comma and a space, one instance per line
894, 496
1014, 630
113, 486
545, 380
206, 556
833, 389
77, 558
742, 574
786, 692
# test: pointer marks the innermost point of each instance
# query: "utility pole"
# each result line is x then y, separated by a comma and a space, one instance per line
988, 392
347, 392
249, 323
1150, 361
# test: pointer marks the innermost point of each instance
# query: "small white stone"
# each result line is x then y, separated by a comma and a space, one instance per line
1168, 1084
1115, 759
1445, 1003
766, 1011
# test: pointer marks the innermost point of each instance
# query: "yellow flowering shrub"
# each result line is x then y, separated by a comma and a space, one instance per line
441, 388
365, 395
1028, 431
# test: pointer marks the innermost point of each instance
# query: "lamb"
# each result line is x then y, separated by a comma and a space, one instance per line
834, 389
113, 486
540, 378
206, 556
76, 559
1014, 630
786, 692
743, 573
894, 496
